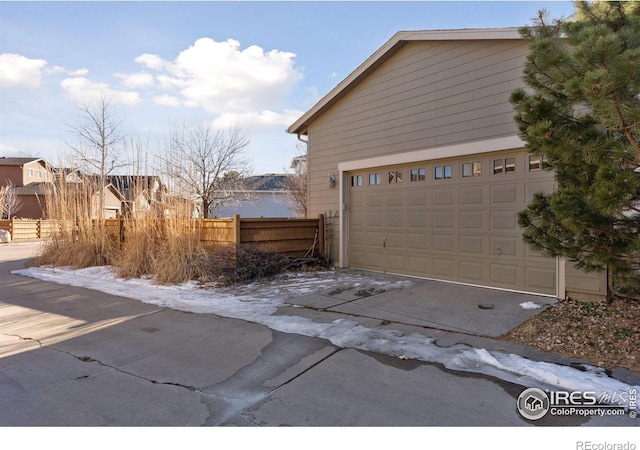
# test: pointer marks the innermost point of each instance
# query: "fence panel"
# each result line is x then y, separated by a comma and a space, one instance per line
292, 237
214, 233
24, 230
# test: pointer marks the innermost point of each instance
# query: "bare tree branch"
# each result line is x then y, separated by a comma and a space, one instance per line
197, 157
10, 202
100, 140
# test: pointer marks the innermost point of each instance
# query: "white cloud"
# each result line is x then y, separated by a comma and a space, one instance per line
136, 80
82, 89
226, 80
258, 119
167, 100
72, 73
151, 61
17, 71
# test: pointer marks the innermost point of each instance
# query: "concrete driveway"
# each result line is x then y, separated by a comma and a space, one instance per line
432, 304
76, 357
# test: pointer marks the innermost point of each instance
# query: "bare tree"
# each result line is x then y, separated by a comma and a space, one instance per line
197, 158
100, 140
296, 184
10, 203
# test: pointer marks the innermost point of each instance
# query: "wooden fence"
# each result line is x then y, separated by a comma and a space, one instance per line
291, 237
31, 230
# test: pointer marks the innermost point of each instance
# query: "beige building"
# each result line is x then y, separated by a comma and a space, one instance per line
418, 156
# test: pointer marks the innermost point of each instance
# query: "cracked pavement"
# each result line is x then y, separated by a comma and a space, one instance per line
76, 357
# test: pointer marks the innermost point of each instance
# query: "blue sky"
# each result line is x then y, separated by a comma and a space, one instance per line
258, 64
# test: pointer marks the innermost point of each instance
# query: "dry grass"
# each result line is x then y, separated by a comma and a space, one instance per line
164, 248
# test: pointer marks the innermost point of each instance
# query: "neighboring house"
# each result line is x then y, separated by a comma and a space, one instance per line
67, 175
429, 168
29, 176
85, 199
143, 194
257, 196
24, 171
34, 180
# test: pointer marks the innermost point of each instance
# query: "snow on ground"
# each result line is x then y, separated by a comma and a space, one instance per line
530, 305
257, 302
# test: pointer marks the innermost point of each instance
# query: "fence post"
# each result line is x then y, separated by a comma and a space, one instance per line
236, 229
39, 229
321, 235
121, 230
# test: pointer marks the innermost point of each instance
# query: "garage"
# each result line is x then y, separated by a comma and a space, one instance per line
452, 219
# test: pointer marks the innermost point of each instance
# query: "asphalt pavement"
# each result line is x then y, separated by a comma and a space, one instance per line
76, 357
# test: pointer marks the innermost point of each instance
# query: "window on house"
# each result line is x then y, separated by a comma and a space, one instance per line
510, 165
375, 178
395, 176
356, 180
507, 165
535, 162
473, 169
443, 172
30, 171
39, 174
418, 174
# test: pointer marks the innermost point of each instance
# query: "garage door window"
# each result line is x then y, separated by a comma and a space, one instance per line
375, 178
535, 162
356, 180
443, 172
418, 174
473, 169
395, 176
507, 165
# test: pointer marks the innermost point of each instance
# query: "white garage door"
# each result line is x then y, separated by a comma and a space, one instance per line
451, 219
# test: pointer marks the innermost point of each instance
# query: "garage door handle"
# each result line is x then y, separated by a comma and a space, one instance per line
384, 242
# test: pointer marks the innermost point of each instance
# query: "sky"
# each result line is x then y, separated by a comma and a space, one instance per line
257, 65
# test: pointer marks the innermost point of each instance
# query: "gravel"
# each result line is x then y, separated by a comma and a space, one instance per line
605, 334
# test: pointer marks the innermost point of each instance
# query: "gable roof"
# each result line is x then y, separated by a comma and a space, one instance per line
397, 41
132, 185
9, 161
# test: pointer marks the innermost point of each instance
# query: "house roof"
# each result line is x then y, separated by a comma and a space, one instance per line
32, 189
128, 184
267, 182
397, 41
9, 161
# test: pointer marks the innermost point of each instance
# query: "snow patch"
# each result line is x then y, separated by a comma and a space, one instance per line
530, 305
257, 302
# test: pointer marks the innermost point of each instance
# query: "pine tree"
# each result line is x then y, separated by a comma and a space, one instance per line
581, 112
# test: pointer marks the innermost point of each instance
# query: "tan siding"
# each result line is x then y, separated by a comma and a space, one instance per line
428, 94
585, 286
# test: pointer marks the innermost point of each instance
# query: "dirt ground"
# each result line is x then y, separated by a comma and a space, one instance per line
604, 334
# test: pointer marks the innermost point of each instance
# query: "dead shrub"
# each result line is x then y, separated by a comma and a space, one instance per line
238, 264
